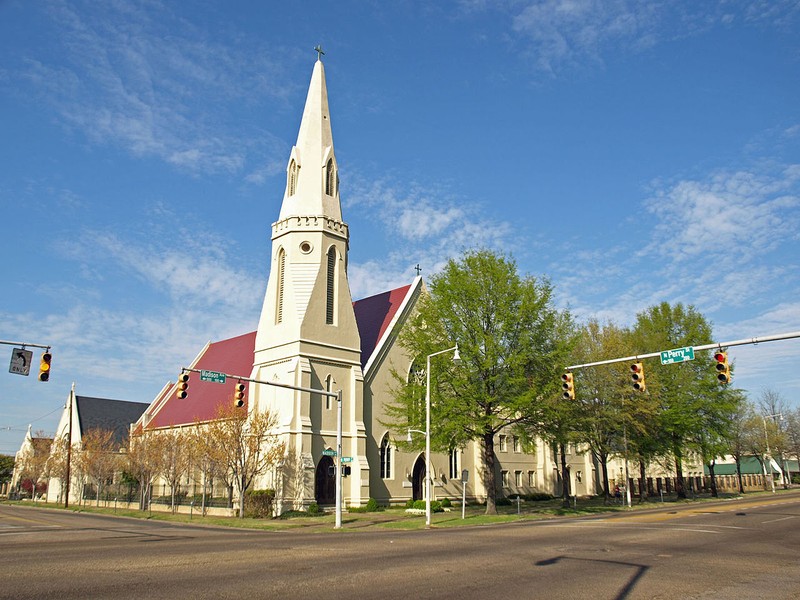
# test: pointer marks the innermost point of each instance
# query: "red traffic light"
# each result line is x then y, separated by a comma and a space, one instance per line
637, 376
238, 394
183, 384
568, 385
44, 366
722, 367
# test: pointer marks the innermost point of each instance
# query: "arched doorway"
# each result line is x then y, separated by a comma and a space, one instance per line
418, 480
325, 481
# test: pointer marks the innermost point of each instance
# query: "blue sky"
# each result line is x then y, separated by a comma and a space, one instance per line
633, 152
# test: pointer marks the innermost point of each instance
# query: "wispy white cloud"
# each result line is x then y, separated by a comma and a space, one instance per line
426, 224
731, 216
140, 78
561, 34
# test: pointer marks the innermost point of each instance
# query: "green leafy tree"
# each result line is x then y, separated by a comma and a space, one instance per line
512, 350
6, 468
690, 399
603, 419
738, 433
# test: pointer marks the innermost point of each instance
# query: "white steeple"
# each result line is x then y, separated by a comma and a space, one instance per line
312, 183
308, 296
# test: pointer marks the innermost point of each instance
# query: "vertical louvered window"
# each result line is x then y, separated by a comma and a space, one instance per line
330, 178
292, 183
331, 289
281, 281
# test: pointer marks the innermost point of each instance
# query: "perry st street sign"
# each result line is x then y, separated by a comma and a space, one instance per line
678, 355
212, 376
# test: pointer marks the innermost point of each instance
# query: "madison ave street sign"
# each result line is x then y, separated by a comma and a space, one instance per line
678, 355
212, 376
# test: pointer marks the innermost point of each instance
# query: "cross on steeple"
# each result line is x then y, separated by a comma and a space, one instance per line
418, 269
318, 48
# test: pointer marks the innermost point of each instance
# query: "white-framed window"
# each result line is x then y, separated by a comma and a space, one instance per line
532, 479
386, 458
518, 479
517, 444
455, 473
503, 443
504, 478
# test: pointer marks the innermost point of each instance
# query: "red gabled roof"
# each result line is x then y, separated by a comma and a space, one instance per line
374, 315
233, 356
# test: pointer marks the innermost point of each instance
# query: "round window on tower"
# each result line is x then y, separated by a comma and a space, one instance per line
305, 247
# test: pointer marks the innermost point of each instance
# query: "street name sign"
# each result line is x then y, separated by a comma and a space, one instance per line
346, 459
212, 376
20, 361
677, 355
329, 452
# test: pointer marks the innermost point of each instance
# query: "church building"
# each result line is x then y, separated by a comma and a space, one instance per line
311, 334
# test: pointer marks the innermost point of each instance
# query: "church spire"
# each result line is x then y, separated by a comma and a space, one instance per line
312, 183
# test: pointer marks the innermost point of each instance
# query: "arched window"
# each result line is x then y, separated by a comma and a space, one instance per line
386, 458
330, 178
330, 299
281, 281
291, 184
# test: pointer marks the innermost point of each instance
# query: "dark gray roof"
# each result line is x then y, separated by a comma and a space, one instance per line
109, 415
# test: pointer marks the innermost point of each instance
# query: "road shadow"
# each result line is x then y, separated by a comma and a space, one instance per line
624, 592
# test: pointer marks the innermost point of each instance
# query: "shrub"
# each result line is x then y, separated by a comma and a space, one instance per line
538, 497
258, 504
372, 505
446, 503
410, 503
436, 505
313, 509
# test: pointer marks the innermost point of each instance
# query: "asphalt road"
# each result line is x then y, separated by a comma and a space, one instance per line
737, 549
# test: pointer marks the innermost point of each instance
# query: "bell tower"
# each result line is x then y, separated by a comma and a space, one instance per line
307, 334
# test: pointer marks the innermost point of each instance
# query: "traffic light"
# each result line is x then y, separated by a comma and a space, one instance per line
722, 367
183, 384
568, 386
238, 394
346, 470
44, 366
637, 376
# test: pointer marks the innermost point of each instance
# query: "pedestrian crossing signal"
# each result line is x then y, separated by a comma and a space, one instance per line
44, 366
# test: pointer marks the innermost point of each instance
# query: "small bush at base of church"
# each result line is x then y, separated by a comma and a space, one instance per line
446, 503
313, 509
258, 504
370, 506
436, 505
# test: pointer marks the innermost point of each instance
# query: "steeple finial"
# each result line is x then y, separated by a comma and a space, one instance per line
319, 50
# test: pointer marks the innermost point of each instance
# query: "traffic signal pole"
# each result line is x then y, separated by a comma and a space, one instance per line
742, 342
338, 396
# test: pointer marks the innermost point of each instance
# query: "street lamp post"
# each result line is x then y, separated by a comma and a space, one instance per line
768, 458
456, 358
